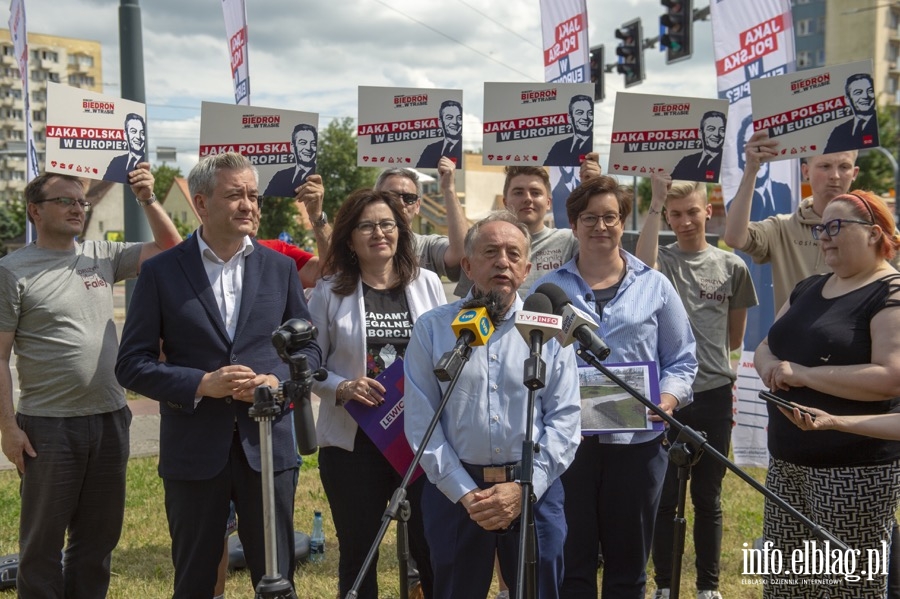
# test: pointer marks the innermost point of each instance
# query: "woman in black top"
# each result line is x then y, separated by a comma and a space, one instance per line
835, 346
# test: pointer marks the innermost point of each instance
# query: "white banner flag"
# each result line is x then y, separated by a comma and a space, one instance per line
19, 35
566, 60
236, 32
752, 40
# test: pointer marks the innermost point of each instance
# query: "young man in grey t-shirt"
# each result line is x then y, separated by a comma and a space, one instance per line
716, 290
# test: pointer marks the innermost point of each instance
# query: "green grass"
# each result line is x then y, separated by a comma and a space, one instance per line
142, 565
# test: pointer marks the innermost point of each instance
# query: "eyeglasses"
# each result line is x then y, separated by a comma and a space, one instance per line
67, 202
833, 227
590, 220
368, 227
407, 198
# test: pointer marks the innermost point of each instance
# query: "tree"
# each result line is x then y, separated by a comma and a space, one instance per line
279, 215
337, 164
875, 171
12, 222
163, 176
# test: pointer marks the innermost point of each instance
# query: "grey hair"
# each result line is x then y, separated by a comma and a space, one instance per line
496, 216
398, 172
202, 178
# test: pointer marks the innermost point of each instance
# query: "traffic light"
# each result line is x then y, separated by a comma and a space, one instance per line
631, 52
596, 65
678, 22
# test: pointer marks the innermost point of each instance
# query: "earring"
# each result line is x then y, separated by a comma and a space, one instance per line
353, 258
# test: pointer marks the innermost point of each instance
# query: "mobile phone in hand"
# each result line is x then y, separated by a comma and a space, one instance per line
772, 398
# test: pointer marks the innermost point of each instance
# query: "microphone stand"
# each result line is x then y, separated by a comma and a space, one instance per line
448, 369
692, 446
535, 375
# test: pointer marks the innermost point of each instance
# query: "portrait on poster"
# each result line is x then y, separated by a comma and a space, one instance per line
608, 408
549, 124
282, 144
818, 111
94, 135
683, 137
409, 127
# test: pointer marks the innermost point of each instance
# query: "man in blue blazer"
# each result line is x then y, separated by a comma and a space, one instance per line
214, 301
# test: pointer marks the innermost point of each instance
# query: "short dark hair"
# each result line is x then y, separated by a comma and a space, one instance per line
34, 191
712, 114
579, 98
305, 127
581, 196
448, 104
854, 78
535, 171
341, 262
133, 116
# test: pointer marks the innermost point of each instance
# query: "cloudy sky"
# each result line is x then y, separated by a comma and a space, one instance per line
311, 55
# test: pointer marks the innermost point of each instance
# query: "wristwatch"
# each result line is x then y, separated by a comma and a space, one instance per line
321, 221
146, 202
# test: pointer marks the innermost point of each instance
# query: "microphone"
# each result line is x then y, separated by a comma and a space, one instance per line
472, 326
537, 318
577, 325
535, 321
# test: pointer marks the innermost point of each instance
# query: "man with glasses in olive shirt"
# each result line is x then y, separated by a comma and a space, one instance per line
438, 253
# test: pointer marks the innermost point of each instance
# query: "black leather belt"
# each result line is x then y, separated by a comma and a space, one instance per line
495, 474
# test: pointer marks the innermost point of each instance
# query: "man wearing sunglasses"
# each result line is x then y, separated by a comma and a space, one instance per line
438, 253
68, 436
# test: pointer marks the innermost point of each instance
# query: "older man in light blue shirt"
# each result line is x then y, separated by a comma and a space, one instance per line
483, 427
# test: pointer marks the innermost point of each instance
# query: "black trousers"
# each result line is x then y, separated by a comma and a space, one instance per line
198, 513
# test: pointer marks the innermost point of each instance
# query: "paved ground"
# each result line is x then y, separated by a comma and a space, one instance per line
145, 424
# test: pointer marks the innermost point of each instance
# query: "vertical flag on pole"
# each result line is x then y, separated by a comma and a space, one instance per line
236, 32
18, 32
566, 59
753, 39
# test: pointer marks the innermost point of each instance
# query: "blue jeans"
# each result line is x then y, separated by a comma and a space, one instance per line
75, 485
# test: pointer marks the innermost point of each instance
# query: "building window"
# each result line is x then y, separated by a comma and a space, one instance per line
54, 77
820, 24
803, 27
804, 59
39, 96
81, 81
39, 115
820, 57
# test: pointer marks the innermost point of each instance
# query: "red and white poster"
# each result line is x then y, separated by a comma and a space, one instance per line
282, 144
818, 111
753, 40
409, 127
566, 60
683, 137
236, 32
93, 135
550, 124
565, 34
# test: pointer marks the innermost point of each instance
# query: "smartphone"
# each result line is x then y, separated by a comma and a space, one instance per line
771, 398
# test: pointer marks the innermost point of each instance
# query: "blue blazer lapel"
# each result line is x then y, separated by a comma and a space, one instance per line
253, 269
192, 265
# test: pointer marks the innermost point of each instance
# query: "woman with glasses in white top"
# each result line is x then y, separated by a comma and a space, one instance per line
364, 307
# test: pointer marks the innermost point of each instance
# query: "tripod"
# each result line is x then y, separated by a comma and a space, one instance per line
289, 339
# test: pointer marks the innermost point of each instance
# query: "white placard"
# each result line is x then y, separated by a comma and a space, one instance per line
282, 144
532, 123
680, 136
409, 127
93, 135
818, 111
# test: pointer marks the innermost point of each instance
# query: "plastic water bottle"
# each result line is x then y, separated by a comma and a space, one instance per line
317, 540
